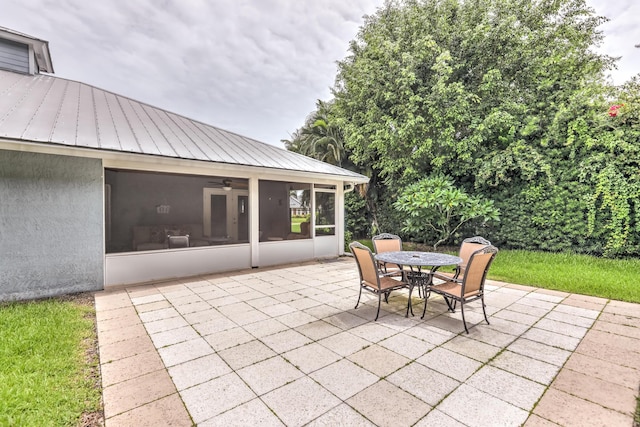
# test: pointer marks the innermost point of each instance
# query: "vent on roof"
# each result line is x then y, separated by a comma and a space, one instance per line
14, 56
23, 53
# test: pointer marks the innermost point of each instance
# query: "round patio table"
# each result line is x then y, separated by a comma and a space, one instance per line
417, 260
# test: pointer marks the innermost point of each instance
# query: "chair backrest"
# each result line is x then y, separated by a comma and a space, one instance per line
304, 228
386, 242
366, 264
469, 246
476, 271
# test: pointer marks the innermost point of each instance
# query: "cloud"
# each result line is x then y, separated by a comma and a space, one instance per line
622, 33
255, 67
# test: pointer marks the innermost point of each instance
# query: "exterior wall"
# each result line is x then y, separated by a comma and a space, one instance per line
285, 251
142, 267
14, 56
51, 225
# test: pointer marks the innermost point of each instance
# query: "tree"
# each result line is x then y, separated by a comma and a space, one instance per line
435, 207
506, 97
320, 137
439, 85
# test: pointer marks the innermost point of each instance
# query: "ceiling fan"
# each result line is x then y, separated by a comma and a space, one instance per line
225, 184
228, 184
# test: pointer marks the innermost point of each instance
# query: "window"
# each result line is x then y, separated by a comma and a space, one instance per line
284, 210
142, 209
325, 212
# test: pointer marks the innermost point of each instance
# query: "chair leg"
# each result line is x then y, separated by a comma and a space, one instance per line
483, 310
379, 302
426, 300
452, 308
409, 306
359, 295
386, 297
463, 321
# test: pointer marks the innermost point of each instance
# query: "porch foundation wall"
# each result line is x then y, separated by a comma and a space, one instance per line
51, 225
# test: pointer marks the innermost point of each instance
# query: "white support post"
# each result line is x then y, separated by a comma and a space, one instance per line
254, 220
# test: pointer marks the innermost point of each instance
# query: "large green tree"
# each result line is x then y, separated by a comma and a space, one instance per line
441, 84
508, 98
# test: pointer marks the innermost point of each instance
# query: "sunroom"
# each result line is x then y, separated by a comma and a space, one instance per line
161, 224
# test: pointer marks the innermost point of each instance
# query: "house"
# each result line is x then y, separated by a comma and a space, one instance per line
298, 207
98, 190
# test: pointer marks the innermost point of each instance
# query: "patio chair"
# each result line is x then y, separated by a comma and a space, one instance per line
371, 278
470, 287
386, 242
468, 246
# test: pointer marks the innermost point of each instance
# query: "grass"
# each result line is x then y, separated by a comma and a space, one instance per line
580, 274
45, 369
296, 221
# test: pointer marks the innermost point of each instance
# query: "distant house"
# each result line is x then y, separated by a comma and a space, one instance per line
298, 206
98, 190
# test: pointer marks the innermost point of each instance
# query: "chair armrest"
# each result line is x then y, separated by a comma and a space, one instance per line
447, 276
443, 279
391, 274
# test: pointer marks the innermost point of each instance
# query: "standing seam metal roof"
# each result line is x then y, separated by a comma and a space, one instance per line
47, 109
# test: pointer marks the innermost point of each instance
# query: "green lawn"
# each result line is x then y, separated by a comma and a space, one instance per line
296, 221
47, 377
581, 274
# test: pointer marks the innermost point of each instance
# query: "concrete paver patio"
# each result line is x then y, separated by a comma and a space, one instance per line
284, 346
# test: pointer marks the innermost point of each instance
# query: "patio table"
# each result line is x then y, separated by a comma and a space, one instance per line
418, 260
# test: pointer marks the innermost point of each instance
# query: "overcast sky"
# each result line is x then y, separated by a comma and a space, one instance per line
255, 67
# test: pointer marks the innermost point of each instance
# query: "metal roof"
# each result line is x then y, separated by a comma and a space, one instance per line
48, 109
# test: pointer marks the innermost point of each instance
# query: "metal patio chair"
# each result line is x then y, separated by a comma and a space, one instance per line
470, 287
386, 242
467, 247
371, 278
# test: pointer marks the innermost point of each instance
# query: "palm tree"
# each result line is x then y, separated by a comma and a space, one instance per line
319, 137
